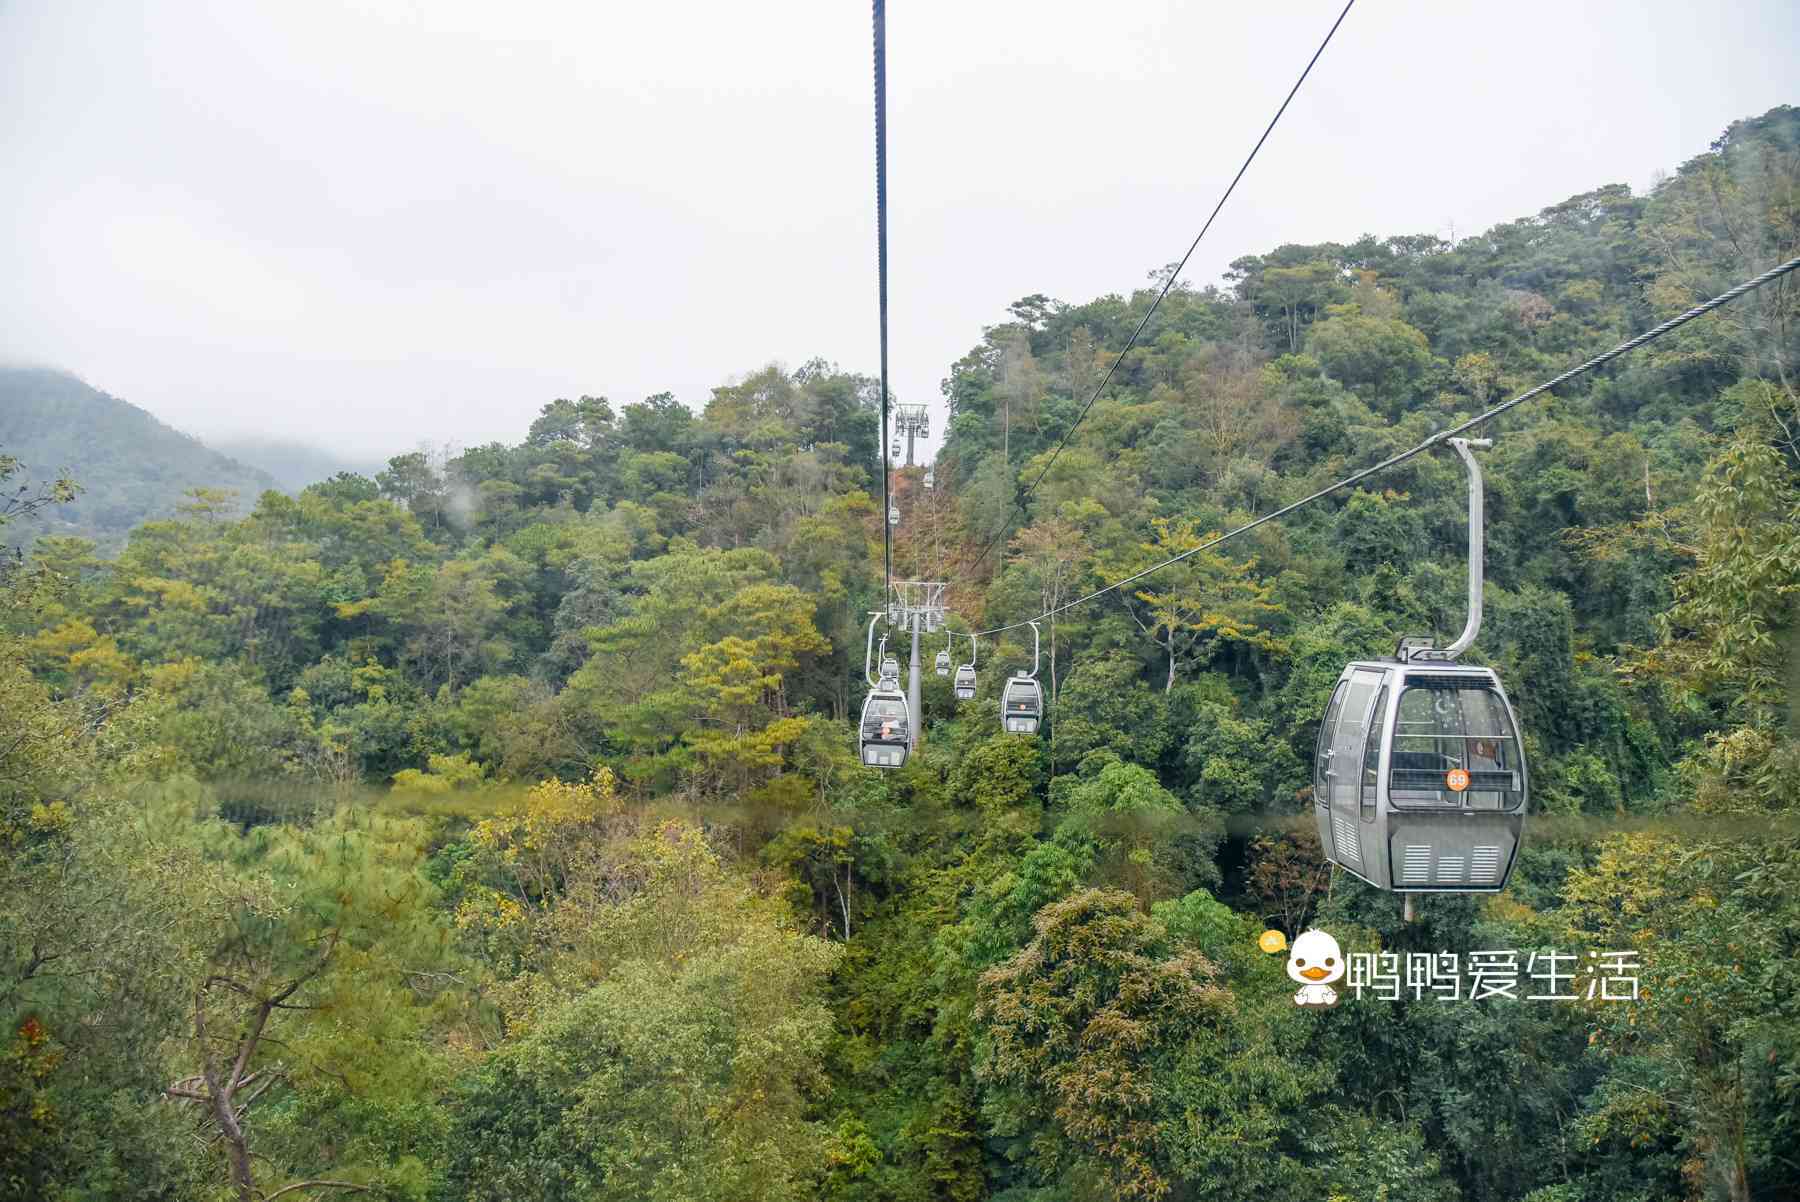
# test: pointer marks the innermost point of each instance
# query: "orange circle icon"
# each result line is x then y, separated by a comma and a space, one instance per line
1457, 779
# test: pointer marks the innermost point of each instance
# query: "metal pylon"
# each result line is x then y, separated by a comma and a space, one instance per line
912, 686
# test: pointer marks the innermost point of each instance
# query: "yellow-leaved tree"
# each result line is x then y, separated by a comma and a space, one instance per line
736, 685
1204, 600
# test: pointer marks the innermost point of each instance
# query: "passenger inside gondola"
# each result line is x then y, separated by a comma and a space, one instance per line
885, 720
1439, 729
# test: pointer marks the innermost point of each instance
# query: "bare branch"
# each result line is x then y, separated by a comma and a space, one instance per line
318, 967
319, 1184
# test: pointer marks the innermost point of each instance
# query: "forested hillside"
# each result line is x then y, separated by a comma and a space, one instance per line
129, 466
495, 829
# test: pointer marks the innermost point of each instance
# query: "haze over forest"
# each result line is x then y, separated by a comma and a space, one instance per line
360, 226
490, 823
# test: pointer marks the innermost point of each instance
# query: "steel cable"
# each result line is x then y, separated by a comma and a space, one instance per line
1025, 497
881, 256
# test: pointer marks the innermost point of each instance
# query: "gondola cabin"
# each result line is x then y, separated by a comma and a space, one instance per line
943, 663
965, 682
1021, 706
886, 733
1419, 780
890, 668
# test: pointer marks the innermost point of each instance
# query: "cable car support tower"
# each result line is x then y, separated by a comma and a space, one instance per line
911, 422
918, 607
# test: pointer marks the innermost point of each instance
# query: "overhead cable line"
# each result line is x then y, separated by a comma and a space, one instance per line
1623, 348
881, 255
1020, 503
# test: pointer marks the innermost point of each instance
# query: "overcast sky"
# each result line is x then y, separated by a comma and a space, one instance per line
367, 224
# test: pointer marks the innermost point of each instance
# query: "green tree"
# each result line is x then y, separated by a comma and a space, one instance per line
1732, 635
302, 993
1107, 706
1379, 358
1205, 599
446, 618
743, 716
1078, 1024
1713, 1026
1300, 293
682, 1056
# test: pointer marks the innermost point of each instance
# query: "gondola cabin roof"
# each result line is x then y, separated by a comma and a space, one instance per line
1427, 672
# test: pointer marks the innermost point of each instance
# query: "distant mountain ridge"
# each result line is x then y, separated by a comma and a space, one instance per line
130, 466
294, 465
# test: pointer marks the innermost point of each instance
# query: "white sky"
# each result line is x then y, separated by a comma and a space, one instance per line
368, 224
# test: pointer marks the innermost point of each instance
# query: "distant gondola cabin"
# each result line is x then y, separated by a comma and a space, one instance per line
1021, 706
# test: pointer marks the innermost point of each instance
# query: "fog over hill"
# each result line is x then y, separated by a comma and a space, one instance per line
130, 466
295, 464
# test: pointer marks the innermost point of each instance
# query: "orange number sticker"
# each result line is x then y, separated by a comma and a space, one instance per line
1457, 779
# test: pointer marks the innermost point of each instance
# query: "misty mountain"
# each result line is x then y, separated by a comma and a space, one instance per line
294, 465
131, 467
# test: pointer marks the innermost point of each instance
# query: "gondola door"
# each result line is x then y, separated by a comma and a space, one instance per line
1371, 833
1344, 773
1322, 768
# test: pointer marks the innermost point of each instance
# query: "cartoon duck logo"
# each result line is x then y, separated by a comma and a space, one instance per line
1315, 962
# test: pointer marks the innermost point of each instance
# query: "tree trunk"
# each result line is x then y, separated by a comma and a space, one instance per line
1737, 1182
239, 1153
1053, 686
1792, 640
221, 1094
843, 892
223, 1085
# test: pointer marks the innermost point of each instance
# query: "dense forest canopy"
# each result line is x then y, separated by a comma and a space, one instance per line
492, 828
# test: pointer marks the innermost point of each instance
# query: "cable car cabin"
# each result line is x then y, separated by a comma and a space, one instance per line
886, 733
1419, 781
965, 682
890, 668
1021, 706
943, 663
